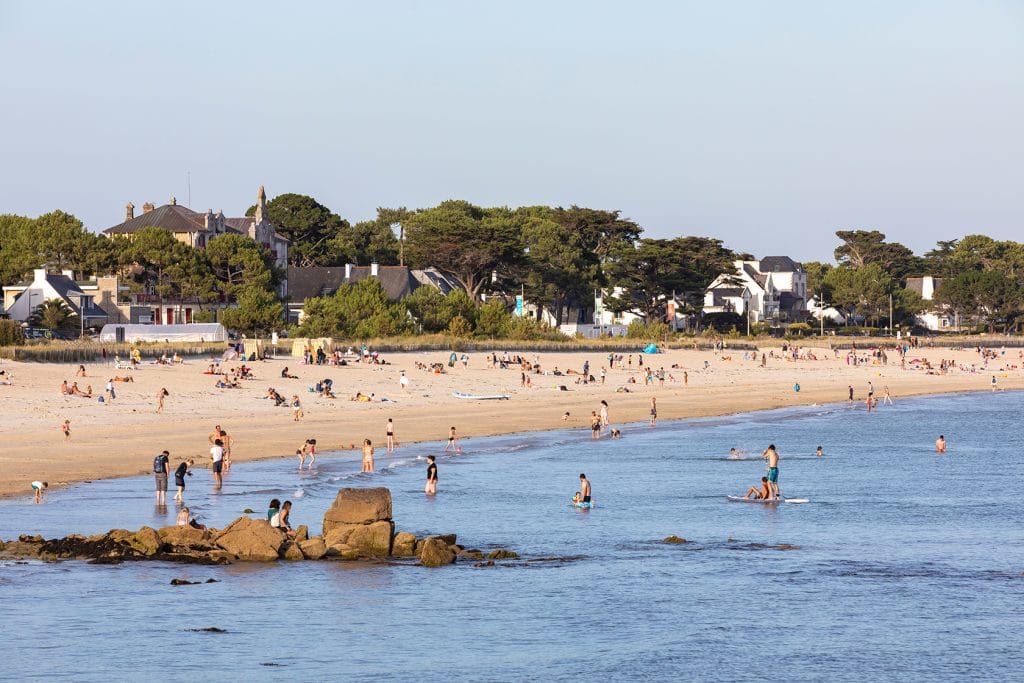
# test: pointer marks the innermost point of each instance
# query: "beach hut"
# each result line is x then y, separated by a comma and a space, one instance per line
253, 349
195, 332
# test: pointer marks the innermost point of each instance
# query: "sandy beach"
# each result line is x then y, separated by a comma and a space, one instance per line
120, 438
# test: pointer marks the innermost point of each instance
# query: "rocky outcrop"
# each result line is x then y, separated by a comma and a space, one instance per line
358, 506
357, 526
252, 540
436, 553
313, 548
403, 545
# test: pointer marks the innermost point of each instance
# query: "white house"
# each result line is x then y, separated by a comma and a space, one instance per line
935, 319
774, 288
22, 299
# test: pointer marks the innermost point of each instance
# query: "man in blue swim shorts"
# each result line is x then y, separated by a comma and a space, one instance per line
772, 456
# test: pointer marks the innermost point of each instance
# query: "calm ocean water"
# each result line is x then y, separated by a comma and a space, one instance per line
909, 564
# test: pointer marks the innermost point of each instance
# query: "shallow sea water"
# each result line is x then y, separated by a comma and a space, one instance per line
909, 564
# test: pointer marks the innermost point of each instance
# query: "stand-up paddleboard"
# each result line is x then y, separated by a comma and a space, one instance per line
766, 501
481, 397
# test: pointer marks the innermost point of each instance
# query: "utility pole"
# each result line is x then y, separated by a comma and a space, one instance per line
890, 314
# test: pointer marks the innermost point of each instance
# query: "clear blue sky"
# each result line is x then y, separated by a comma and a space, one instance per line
767, 124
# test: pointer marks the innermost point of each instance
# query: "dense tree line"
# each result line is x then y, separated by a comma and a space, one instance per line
558, 257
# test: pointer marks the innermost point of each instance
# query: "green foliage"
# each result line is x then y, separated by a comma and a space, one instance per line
721, 322
654, 331
11, 333
493, 320
460, 327
868, 247
816, 287
429, 308
799, 329
654, 268
466, 242
56, 316
308, 224
986, 297
369, 241
239, 264
358, 311
204, 316
864, 290
258, 312
532, 329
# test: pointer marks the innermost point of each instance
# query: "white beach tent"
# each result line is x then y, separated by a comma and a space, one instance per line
196, 332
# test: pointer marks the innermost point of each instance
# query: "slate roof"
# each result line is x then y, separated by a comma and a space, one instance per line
172, 217
398, 281
306, 283
779, 264
757, 277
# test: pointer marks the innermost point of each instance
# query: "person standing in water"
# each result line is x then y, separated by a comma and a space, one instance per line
772, 457
217, 455
179, 479
940, 444
367, 455
604, 414
654, 410
161, 469
584, 488
431, 488
391, 435
453, 442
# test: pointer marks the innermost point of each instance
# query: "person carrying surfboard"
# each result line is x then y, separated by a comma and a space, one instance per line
772, 457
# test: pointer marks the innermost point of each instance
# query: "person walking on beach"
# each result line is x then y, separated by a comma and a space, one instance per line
453, 442
886, 398
390, 433
993, 384
850, 388
296, 407
161, 468
604, 413
160, 396
940, 444
217, 454
66, 428
403, 381
110, 391
772, 457
37, 490
584, 489
179, 478
367, 455
431, 487
654, 410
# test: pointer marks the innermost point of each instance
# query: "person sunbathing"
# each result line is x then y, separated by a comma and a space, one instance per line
285, 375
126, 378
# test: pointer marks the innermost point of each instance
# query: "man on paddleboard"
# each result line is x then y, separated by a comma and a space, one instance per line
772, 456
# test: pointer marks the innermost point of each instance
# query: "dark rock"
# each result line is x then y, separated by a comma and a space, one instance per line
435, 553
502, 554
301, 533
447, 539
404, 545
488, 563
211, 581
183, 582
313, 548
247, 511
673, 539
472, 554
208, 629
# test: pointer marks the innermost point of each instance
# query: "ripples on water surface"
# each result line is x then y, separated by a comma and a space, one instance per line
908, 564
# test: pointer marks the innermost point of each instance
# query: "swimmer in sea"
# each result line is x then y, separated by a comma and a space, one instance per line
762, 493
940, 444
819, 453
734, 454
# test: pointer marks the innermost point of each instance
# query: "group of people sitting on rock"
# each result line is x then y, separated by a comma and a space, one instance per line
277, 515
